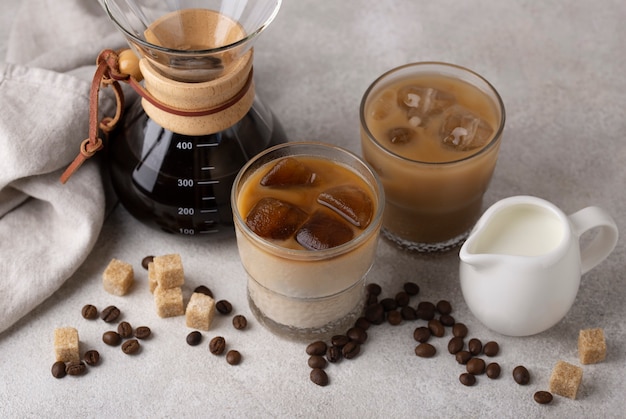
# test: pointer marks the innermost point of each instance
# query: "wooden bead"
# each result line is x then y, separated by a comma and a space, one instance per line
129, 64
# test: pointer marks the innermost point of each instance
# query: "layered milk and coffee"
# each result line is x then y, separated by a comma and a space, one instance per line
430, 137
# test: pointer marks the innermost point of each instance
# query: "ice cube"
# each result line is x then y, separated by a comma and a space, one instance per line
351, 202
323, 231
422, 102
382, 107
289, 172
400, 135
273, 218
462, 130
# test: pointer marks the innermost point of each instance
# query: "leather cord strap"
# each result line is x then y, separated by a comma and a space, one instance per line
108, 74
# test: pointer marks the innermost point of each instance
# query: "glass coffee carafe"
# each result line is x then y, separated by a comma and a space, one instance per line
173, 166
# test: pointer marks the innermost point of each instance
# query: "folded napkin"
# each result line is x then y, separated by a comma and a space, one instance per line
47, 229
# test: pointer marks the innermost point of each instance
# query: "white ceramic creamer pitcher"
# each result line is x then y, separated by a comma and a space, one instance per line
521, 265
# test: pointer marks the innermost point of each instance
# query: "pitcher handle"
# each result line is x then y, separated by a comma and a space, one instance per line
603, 243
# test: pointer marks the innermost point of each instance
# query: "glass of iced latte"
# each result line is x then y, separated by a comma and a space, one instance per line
307, 219
432, 132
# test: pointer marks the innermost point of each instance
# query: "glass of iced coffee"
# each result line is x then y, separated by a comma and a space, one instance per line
432, 132
307, 220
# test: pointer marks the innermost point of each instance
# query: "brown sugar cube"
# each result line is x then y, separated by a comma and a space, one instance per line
591, 346
565, 379
66, 346
200, 311
118, 277
169, 302
152, 281
168, 271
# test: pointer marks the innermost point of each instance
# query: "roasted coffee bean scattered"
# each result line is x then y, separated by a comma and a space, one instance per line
425, 350
411, 288
389, 304
143, 332
462, 357
357, 334
58, 369
421, 334
224, 307
319, 377
233, 357
447, 320
459, 330
146, 261
436, 328
333, 354
375, 313
362, 323
475, 366
339, 340
316, 348
76, 368
493, 370
394, 317
455, 345
111, 338
125, 330
467, 379
351, 350
408, 313
543, 397
426, 310
194, 338
240, 322
217, 345
110, 314
371, 299
475, 346
491, 348
444, 307
131, 347
89, 312
317, 361
521, 375
91, 357
402, 299
202, 289
374, 289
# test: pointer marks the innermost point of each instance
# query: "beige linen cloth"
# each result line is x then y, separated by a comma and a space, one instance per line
47, 229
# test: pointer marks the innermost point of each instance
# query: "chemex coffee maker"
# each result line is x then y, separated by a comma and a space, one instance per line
175, 153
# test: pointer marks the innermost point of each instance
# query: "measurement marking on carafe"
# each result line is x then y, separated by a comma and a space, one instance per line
208, 182
208, 211
207, 168
207, 145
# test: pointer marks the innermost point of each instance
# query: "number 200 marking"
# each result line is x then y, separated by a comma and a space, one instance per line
185, 211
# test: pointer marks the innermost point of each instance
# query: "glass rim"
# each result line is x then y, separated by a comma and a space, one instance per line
304, 254
499, 104
192, 52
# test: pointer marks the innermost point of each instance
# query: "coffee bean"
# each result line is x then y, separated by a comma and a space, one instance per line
444, 307
467, 379
421, 334
371, 299
408, 313
240, 322
425, 350
194, 338
131, 347
411, 288
362, 323
475, 346
125, 330
317, 361
375, 313
455, 345
402, 299
351, 350
462, 357
339, 340
110, 314
521, 375
91, 357
394, 317
146, 261
459, 330
316, 348
333, 354
224, 307
233, 357
111, 338
319, 377
491, 348
493, 370
475, 366
89, 312
436, 328
425, 310
389, 304
374, 289
58, 369
357, 335
217, 345
543, 397
76, 368
143, 332
447, 320
202, 289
